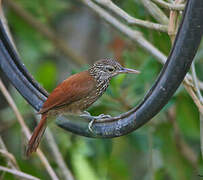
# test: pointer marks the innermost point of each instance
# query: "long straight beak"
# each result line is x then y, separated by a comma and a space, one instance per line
126, 70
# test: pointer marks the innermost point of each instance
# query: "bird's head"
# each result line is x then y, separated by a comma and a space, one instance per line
105, 69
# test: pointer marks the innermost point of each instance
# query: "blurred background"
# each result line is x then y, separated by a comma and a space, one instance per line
57, 38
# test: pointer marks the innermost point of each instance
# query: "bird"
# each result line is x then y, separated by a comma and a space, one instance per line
75, 94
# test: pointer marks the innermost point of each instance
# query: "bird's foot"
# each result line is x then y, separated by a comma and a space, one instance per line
86, 113
97, 118
93, 118
102, 116
90, 125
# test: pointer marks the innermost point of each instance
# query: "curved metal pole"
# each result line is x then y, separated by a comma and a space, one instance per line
172, 74
18, 75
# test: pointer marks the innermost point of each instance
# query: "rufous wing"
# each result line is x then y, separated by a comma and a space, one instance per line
70, 90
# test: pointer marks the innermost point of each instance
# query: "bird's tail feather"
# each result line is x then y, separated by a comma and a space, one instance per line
37, 136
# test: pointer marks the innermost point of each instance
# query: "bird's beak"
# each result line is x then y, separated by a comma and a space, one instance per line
126, 70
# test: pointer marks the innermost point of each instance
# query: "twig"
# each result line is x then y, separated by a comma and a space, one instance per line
11, 161
200, 84
200, 107
10, 158
45, 31
194, 97
155, 11
131, 20
57, 156
66, 173
196, 83
18, 173
134, 35
177, 7
172, 25
26, 131
189, 81
173, 22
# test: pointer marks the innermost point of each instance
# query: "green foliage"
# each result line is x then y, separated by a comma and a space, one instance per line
187, 116
149, 153
49, 80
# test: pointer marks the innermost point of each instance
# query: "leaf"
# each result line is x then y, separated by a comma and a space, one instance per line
46, 75
187, 116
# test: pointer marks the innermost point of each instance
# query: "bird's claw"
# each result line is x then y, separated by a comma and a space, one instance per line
86, 115
96, 118
93, 118
102, 116
90, 125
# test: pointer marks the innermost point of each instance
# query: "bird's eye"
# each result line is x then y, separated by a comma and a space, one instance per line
110, 68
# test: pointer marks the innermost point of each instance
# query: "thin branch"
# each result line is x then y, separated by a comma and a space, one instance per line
194, 97
173, 22
129, 19
134, 35
11, 161
196, 83
177, 7
57, 156
155, 11
26, 131
18, 173
10, 158
57, 41
172, 25
200, 84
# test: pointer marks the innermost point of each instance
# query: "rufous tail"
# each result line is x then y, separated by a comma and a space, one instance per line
37, 136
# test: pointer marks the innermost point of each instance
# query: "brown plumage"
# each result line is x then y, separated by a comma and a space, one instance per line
75, 94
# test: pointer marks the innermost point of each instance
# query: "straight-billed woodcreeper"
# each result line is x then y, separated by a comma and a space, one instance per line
76, 94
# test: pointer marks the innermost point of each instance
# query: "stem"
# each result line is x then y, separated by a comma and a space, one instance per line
129, 19
177, 7
26, 131
155, 11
